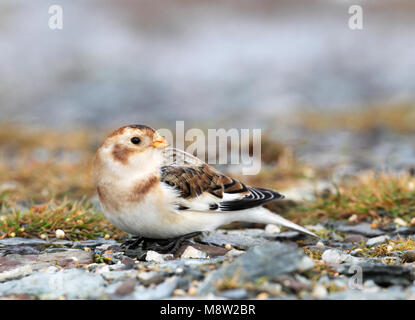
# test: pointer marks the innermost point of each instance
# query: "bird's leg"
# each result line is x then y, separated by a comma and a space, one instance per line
170, 245
132, 243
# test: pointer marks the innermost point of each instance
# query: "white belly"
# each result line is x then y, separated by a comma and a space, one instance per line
155, 217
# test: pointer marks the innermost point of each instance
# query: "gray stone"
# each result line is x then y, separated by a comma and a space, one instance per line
354, 238
16, 273
93, 243
239, 241
149, 277
383, 275
409, 256
125, 288
405, 231
377, 240
163, 290
361, 228
353, 294
21, 241
71, 283
234, 294
269, 260
21, 250
65, 259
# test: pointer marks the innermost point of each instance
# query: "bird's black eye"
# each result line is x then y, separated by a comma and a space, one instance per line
135, 140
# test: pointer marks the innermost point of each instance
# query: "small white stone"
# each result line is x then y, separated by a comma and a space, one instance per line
320, 244
103, 269
154, 257
272, 228
353, 218
333, 257
400, 222
60, 234
319, 292
305, 263
193, 253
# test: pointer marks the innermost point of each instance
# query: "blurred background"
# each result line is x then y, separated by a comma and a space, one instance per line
336, 97
245, 62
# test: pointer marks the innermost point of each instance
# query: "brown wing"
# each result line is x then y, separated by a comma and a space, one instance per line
194, 181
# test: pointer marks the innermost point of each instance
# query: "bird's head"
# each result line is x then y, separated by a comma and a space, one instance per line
130, 147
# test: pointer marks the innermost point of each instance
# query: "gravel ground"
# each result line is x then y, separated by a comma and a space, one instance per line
233, 264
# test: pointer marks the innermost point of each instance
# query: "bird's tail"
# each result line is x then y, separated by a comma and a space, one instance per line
263, 215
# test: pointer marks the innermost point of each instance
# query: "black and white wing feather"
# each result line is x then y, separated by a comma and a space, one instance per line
201, 187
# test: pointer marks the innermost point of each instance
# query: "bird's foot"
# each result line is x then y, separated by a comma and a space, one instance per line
132, 243
170, 245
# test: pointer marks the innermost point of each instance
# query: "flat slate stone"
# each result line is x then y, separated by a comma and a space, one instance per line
269, 260
220, 238
361, 228
21, 241
64, 259
71, 283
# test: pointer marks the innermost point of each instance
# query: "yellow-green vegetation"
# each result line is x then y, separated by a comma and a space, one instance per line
44, 181
78, 219
389, 248
378, 197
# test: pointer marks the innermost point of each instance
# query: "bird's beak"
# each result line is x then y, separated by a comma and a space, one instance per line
159, 142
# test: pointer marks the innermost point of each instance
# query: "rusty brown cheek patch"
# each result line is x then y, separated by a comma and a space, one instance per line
121, 153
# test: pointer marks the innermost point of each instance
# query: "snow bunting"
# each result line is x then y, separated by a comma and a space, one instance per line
156, 192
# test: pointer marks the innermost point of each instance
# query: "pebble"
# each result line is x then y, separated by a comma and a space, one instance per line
320, 244
319, 292
272, 228
179, 292
354, 238
262, 296
364, 229
400, 222
409, 256
353, 218
333, 257
192, 253
125, 288
150, 277
60, 234
377, 240
192, 291
234, 253
154, 256
234, 294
